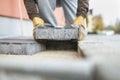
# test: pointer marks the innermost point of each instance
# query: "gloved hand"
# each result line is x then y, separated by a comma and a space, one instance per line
79, 22
37, 21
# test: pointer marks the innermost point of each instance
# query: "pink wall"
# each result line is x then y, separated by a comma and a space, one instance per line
10, 8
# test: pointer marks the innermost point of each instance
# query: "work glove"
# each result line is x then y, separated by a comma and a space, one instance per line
38, 22
79, 22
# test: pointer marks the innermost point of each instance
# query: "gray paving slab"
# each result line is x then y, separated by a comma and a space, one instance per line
105, 52
56, 34
100, 45
27, 45
20, 46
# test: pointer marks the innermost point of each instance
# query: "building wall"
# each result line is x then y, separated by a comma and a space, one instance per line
10, 8
12, 27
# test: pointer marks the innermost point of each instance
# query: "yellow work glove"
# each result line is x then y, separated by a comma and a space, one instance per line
79, 22
37, 21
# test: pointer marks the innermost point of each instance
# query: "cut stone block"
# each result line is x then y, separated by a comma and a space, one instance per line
20, 46
56, 34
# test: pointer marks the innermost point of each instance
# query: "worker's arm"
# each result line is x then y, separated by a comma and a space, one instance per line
33, 13
31, 8
83, 6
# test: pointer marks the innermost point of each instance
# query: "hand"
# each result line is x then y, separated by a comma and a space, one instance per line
37, 21
79, 21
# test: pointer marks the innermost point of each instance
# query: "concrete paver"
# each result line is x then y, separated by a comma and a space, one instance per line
56, 34
105, 52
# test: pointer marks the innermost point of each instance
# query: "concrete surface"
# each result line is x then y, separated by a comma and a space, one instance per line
56, 34
20, 46
49, 54
46, 65
105, 52
27, 46
56, 68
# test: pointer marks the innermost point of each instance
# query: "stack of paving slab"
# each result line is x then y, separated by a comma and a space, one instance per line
55, 39
58, 38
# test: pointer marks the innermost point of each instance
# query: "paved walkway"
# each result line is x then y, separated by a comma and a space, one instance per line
95, 45
105, 52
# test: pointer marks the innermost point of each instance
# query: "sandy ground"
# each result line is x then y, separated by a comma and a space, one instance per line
46, 55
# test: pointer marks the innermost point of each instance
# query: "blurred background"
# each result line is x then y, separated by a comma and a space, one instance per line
103, 18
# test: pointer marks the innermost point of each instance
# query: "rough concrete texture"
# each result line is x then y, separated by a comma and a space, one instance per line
27, 46
105, 52
56, 34
20, 46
